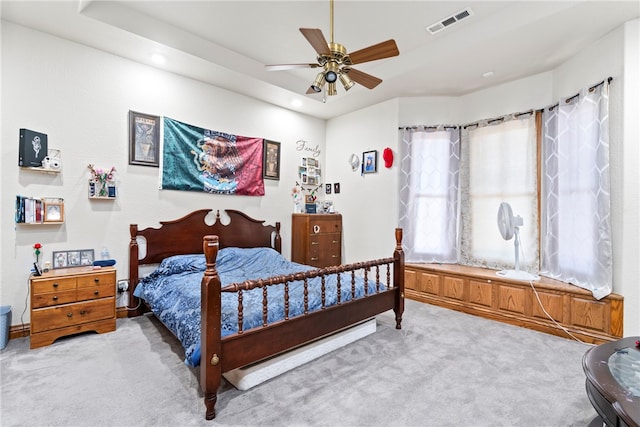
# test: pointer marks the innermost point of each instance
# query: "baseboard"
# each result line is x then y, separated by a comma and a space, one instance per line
19, 331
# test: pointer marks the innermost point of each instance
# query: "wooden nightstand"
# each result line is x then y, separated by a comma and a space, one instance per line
72, 300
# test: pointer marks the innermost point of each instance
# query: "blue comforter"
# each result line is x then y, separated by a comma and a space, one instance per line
173, 292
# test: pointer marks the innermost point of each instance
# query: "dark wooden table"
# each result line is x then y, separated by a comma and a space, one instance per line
615, 403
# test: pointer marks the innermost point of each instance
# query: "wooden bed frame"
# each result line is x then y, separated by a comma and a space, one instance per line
190, 234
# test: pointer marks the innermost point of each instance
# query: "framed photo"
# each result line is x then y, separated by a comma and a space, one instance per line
144, 139
370, 161
53, 210
74, 258
327, 188
271, 160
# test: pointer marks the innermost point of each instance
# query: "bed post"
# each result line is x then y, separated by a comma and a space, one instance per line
277, 241
210, 339
133, 308
398, 278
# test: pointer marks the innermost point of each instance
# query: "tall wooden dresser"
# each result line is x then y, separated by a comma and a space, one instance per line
72, 300
316, 239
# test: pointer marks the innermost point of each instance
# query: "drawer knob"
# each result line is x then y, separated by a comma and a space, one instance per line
83, 312
334, 256
315, 259
316, 228
96, 292
96, 280
55, 284
314, 243
69, 314
55, 298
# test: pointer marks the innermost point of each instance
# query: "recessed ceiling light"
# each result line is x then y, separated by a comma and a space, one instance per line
487, 74
158, 58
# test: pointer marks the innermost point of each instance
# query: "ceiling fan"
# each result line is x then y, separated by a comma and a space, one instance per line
336, 62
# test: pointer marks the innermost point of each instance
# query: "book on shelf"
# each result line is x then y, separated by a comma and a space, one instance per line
32, 148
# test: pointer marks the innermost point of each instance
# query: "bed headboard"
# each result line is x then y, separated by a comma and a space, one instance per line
185, 235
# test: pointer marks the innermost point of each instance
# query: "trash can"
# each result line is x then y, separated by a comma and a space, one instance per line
5, 324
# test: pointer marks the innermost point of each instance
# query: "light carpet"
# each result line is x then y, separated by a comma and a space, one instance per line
444, 368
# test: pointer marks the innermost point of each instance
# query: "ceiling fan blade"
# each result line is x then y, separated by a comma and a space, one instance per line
377, 51
316, 39
281, 67
366, 80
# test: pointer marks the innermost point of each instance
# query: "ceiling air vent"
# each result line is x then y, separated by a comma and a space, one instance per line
436, 27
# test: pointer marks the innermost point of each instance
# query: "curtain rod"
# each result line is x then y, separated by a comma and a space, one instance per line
571, 98
591, 89
428, 127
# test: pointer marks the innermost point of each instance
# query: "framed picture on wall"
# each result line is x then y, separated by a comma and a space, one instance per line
370, 161
271, 160
144, 139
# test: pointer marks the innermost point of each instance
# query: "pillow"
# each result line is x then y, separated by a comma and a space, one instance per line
182, 263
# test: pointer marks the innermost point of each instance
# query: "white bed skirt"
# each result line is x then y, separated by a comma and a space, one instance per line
250, 376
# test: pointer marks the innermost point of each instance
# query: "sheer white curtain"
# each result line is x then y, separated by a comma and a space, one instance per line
576, 229
430, 158
499, 164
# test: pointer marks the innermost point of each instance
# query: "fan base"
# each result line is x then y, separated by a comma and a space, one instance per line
517, 275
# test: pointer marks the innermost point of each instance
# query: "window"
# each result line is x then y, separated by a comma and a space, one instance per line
498, 162
430, 163
499, 165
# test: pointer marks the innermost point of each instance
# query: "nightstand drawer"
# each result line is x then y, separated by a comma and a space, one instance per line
46, 319
54, 285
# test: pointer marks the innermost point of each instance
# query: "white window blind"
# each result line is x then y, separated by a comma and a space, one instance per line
498, 164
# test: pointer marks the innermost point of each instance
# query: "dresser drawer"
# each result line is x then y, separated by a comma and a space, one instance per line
324, 224
46, 319
54, 298
96, 291
54, 285
96, 280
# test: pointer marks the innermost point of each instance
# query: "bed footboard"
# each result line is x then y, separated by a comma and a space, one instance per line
220, 355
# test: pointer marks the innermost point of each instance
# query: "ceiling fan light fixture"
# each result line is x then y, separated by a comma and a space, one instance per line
347, 83
331, 72
331, 76
331, 89
318, 83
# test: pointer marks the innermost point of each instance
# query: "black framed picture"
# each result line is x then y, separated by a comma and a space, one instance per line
370, 161
74, 258
144, 139
271, 160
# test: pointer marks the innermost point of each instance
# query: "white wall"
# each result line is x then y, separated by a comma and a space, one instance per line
367, 202
80, 97
615, 55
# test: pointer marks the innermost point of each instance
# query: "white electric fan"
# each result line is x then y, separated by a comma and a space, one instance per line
509, 226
